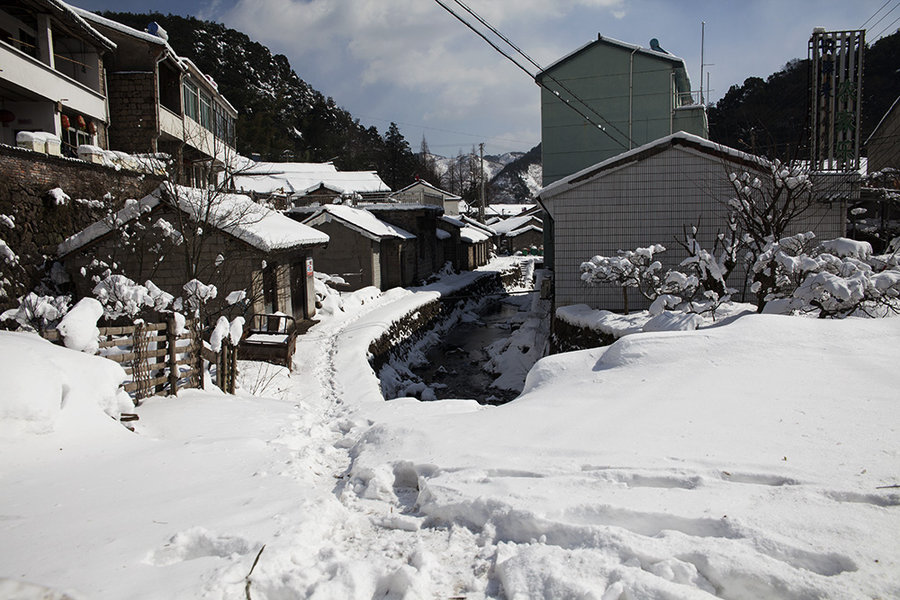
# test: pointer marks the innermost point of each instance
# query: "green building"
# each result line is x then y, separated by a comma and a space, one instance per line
632, 96
636, 94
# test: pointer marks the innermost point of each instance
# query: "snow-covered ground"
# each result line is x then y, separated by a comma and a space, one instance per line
743, 461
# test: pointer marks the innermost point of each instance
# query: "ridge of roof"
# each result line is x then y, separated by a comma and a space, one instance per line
612, 42
679, 138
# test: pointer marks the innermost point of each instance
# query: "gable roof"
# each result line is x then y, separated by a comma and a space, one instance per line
72, 17
301, 178
679, 139
608, 41
359, 220
235, 214
511, 224
422, 183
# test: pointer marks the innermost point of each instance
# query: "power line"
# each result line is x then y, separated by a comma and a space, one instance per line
863, 26
880, 33
532, 76
875, 24
540, 69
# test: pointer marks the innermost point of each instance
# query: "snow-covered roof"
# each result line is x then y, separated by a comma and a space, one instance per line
473, 235
359, 220
507, 210
120, 27
512, 223
680, 138
301, 178
74, 16
235, 214
442, 235
490, 231
526, 229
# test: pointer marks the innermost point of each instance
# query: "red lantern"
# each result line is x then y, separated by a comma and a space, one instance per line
64, 121
80, 120
92, 129
6, 116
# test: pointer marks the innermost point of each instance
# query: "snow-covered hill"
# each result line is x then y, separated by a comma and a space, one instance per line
514, 177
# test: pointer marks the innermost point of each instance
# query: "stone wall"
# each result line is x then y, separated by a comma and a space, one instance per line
40, 222
566, 337
134, 118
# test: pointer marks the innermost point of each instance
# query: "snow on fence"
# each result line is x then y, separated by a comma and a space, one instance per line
161, 358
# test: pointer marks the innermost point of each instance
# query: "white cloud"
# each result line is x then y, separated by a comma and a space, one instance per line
432, 68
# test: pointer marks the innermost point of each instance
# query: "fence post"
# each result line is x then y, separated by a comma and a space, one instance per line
232, 375
172, 357
197, 344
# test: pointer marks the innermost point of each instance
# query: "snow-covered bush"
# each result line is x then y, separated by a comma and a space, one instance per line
37, 313
79, 327
120, 296
197, 294
628, 269
834, 278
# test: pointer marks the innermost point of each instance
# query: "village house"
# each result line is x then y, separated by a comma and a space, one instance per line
293, 184
161, 102
472, 244
363, 250
649, 195
519, 233
52, 77
422, 192
259, 260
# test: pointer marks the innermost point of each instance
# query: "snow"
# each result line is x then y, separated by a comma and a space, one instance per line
236, 214
300, 178
59, 196
360, 220
752, 459
78, 327
511, 225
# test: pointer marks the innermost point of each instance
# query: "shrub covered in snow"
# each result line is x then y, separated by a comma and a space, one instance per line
36, 312
834, 278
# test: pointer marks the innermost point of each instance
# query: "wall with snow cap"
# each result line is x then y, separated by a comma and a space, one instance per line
26, 179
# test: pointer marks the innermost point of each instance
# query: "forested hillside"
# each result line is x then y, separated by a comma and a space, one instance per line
770, 116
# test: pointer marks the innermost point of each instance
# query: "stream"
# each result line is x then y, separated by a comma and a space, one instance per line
454, 367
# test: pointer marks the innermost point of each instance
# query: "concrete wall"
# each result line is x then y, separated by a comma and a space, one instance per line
645, 203
349, 255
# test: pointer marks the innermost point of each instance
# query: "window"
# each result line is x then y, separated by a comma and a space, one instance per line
206, 119
191, 100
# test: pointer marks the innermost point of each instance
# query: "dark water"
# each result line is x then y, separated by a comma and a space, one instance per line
454, 366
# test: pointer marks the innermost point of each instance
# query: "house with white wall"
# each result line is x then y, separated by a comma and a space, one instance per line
52, 74
649, 195
161, 102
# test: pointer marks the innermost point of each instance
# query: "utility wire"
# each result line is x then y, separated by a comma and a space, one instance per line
525, 70
540, 69
880, 33
863, 26
875, 24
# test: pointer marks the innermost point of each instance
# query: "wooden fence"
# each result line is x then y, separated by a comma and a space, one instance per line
159, 358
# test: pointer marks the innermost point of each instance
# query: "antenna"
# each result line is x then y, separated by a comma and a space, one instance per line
703, 63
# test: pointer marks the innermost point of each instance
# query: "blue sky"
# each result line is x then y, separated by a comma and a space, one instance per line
410, 62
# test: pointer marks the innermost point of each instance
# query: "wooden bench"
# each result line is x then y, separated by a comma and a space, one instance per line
270, 338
